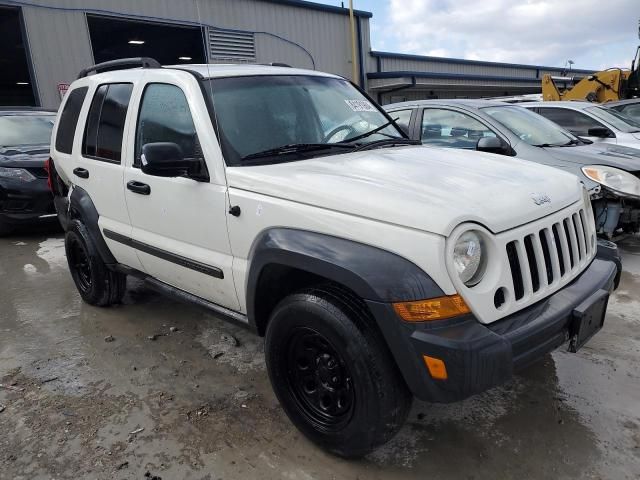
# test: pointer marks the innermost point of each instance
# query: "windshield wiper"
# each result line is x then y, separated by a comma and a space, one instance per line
573, 141
546, 145
295, 148
371, 132
387, 142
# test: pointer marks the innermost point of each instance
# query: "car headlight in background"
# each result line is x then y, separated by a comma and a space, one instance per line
16, 174
614, 179
469, 258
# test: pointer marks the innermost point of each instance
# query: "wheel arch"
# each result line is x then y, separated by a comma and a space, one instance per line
81, 208
283, 260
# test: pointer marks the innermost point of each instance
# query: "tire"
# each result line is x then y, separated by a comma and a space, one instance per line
333, 373
96, 283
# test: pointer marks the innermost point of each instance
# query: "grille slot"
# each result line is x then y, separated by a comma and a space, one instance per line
533, 263
546, 253
516, 273
570, 235
559, 252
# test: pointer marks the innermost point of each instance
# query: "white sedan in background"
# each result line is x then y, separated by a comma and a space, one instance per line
591, 121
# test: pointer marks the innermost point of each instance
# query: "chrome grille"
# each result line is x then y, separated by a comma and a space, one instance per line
544, 258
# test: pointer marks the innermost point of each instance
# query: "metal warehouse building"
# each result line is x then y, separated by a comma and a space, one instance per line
45, 43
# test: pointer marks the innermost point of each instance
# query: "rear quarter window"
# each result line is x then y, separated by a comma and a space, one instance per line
69, 119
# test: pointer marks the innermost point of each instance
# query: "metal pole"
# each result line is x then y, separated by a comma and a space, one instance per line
354, 56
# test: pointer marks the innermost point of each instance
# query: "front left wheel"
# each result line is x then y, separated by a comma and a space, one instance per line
96, 284
333, 373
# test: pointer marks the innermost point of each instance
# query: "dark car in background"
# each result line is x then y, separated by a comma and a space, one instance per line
25, 197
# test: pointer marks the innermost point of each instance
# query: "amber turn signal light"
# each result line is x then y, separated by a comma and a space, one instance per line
438, 308
436, 367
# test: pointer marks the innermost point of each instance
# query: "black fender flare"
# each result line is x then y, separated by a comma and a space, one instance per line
81, 207
370, 272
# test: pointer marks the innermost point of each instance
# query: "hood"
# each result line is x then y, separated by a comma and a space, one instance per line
610, 155
24, 156
425, 188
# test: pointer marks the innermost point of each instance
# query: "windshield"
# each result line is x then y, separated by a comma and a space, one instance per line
260, 113
530, 127
19, 130
617, 120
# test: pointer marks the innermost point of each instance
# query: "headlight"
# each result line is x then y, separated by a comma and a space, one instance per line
16, 173
469, 258
614, 179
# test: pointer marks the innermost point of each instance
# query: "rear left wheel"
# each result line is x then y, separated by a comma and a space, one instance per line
96, 284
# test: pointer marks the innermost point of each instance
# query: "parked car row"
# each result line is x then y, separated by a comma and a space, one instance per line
610, 170
377, 269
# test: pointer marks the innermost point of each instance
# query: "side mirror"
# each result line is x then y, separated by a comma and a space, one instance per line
600, 132
165, 159
491, 145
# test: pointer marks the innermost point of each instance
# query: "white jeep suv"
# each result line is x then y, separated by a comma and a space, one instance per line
288, 201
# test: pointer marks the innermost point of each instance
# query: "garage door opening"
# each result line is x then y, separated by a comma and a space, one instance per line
16, 87
169, 44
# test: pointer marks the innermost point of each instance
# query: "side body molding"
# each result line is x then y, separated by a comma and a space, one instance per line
370, 272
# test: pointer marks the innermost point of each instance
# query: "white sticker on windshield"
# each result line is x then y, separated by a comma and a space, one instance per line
361, 105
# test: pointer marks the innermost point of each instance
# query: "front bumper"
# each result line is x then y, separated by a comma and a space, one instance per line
478, 356
25, 202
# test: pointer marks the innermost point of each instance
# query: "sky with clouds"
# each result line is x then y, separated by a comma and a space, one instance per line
595, 34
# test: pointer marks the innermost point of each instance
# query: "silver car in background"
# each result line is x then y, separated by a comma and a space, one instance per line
610, 172
591, 120
629, 108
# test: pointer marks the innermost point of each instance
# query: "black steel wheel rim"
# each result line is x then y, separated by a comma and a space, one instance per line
319, 380
80, 264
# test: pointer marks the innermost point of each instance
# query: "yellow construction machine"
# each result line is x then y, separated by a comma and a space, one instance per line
605, 86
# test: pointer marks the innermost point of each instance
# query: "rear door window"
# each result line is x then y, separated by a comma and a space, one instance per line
69, 119
105, 122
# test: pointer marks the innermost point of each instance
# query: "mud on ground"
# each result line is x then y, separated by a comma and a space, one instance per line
156, 388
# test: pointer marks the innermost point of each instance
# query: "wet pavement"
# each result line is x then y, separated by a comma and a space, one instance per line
118, 393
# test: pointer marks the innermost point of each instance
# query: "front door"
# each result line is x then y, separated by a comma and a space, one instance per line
179, 224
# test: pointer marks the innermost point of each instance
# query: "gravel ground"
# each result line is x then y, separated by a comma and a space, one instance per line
90, 395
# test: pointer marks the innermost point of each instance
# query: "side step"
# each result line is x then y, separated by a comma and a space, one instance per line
164, 288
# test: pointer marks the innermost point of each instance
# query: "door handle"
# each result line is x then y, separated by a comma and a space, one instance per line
139, 187
81, 172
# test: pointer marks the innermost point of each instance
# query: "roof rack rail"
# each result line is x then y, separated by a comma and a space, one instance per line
120, 64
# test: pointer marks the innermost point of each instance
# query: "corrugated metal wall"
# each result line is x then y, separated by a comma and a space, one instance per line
402, 64
60, 45
425, 77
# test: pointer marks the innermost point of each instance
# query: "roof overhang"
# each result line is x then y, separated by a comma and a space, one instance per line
462, 61
321, 7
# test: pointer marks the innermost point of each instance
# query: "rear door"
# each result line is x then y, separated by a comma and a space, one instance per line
180, 224
98, 167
